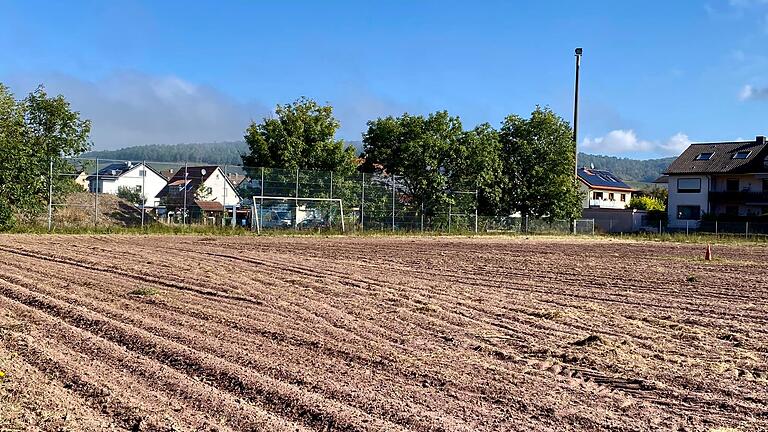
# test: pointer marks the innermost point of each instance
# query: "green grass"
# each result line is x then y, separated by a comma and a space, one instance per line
144, 292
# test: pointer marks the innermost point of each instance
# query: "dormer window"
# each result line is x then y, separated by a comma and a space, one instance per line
705, 156
765, 162
742, 154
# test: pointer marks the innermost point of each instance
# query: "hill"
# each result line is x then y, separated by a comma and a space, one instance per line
221, 153
633, 170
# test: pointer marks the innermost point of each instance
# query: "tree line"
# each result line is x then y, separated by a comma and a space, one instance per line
525, 166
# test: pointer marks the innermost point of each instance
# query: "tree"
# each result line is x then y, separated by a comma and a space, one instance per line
35, 132
301, 136
415, 148
475, 164
130, 194
647, 203
538, 159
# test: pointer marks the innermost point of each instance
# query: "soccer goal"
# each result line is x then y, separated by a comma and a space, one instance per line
584, 226
278, 213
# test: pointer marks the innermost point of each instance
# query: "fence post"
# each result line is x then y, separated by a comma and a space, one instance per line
716, 231
296, 207
143, 193
476, 211
574, 226
261, 200
186, 180
362, 204
331, 196
659, 226
50, 195
96, 197
422, 216
393, 202
224, 199
686, 228
746, 231
449, 218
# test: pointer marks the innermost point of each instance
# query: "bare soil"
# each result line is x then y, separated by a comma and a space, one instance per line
175, 333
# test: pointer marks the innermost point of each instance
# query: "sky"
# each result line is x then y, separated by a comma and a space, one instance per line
655, 75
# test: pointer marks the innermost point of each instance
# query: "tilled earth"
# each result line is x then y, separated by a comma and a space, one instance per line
386, 334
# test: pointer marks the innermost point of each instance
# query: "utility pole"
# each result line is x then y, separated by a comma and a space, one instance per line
576, 117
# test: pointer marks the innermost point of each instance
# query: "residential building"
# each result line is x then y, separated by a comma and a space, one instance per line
725, 180
136, 177
198, 187
603, 190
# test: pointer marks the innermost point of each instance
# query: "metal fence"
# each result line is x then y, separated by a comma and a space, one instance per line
106, 193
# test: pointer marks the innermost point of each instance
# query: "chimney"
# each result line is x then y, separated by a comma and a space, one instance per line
760, 139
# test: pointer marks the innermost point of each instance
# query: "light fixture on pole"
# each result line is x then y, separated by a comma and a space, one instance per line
576, 115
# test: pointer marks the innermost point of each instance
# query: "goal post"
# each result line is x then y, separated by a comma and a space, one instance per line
260, 199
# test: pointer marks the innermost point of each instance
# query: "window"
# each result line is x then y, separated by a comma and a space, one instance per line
623, 197
705, 156
142, 173
765, 162
742, 154
688, 185
597, 195
610, 197
689, 212
732, 185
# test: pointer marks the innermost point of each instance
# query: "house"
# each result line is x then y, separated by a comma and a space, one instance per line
81, 178
205, 190
136, 177
603, 190
722, 179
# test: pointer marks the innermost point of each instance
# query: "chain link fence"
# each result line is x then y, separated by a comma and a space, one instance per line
119, 193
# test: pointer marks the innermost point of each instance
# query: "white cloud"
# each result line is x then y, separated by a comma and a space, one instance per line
749, 92
133, 108
622, 141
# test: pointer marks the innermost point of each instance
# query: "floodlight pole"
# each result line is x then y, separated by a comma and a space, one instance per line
576, 117
143, 193
50, 195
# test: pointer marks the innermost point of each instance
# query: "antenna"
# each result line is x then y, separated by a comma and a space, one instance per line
202, 171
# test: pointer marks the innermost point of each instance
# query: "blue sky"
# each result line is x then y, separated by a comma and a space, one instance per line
655, 75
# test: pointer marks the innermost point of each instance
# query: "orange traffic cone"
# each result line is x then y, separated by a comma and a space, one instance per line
708, 255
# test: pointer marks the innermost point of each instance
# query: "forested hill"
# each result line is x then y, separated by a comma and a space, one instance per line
228, 153
628, 169
218, 153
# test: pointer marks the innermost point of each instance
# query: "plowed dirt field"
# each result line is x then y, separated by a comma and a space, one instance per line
380, 334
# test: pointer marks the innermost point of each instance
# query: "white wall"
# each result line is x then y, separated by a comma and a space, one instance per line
221, 189
676, 199
153, 183
588, 202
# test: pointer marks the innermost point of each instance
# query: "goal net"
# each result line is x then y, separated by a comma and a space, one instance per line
284, 212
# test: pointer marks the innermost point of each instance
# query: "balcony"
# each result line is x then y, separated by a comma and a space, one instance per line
607, 204
740, 197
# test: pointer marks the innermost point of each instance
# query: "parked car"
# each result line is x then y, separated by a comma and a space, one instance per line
277, 219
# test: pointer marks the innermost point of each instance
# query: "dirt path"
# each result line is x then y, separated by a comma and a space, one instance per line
357, 334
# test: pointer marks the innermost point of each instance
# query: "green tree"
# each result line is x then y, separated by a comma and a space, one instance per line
302, 135
475, 164
34, 132
646, 203
538, 158
417, 149
130, 194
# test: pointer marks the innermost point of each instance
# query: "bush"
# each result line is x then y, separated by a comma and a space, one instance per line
646, 203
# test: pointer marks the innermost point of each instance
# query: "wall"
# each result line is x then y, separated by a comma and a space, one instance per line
588, 202
615, 221
218, 186
676, 199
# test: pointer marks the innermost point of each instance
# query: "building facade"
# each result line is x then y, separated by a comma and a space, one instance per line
135, 177
601, 189
723, 181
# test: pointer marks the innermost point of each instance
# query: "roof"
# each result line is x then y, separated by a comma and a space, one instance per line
117, 169
602, 179
193, 177
210, 205
721, 159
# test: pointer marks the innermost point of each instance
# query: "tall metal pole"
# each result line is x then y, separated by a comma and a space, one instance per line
143, 192
50, 196
331, 185
225, 198
576, 117
296, 209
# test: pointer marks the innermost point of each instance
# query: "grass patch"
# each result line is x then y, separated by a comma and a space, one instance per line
144, 292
